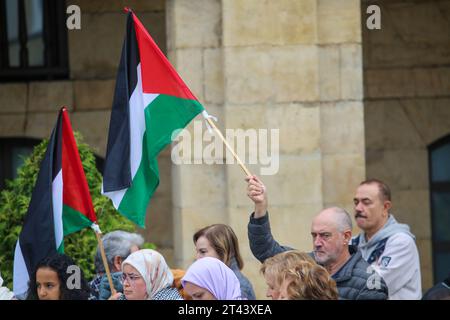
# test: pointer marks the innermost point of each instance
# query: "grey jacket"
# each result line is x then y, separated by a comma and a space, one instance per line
246, 287
355, 280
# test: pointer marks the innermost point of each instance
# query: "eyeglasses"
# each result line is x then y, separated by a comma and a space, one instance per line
132, 278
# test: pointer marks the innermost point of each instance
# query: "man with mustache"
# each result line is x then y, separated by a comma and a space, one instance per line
387, 245
331, 232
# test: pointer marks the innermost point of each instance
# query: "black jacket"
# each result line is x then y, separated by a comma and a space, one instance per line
355, 280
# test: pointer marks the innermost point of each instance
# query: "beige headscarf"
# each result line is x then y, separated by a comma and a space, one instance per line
153, 269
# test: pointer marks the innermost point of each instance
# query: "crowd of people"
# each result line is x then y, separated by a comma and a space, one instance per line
380, 263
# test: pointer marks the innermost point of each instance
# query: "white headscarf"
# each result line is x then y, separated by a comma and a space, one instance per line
153, 269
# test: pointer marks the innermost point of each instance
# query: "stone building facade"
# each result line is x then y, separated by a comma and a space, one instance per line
349, 103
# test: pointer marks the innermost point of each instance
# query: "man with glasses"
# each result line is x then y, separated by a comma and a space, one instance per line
331, 232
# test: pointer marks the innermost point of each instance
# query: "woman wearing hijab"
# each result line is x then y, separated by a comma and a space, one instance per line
210, 279
146, 276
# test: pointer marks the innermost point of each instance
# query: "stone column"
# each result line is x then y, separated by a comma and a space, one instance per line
194, 48
290, 65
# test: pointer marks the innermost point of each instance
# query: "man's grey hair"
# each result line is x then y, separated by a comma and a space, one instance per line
343, 219
116, 243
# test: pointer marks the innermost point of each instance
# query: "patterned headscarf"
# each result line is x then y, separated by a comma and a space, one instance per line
153, 269
214, 276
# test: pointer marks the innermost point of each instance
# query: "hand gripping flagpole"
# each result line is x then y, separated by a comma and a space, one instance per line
210, 124
98, 234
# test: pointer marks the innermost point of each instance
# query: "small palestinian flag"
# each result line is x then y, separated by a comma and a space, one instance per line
60, 204
151, 102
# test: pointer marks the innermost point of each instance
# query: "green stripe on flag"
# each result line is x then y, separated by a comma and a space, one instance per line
73, 220
165, 115
162, 117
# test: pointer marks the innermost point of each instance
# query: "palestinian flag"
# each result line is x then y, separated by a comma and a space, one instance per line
60, 204
151, 101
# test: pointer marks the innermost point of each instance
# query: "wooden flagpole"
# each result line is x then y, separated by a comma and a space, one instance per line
98, 234
213, 125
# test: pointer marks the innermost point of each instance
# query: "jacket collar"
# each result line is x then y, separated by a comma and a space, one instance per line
345, 272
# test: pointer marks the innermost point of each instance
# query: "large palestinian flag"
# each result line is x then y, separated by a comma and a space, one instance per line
151, 101
60, 204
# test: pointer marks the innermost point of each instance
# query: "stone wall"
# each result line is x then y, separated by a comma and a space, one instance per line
407, 106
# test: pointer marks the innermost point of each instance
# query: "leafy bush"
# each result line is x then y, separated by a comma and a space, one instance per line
81, 246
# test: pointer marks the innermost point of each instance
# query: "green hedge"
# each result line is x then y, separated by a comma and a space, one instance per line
81, 246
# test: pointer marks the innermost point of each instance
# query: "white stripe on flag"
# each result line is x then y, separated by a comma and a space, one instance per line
138, 102
20, 275
57, 194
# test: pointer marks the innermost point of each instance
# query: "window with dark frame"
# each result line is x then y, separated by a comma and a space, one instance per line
14, 150
12, 153
33, 40
439, 160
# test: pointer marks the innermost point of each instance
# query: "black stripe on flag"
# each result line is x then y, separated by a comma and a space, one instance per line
117, 168
37, 238
57, 154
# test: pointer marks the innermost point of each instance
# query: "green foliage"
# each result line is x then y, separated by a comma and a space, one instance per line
81, 246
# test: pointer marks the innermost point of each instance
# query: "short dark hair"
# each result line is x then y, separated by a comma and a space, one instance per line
59, 263
384, 190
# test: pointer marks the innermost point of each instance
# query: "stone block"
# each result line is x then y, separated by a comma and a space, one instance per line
351, 72
430, 116
189, 65
94, 94
339, 21
387, 83
198, 185
194, 24
12, 125
293, 22
93, 126
298, 182
40, 125
282, 22
89, 6
105, 32
342, 128
186, 222
50, 96
295, 73
413, 208
342, 173
13, 97
248, 75
329, 72
401, 169
213, 76
246, 23
390, 125
424, 246
299, 127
